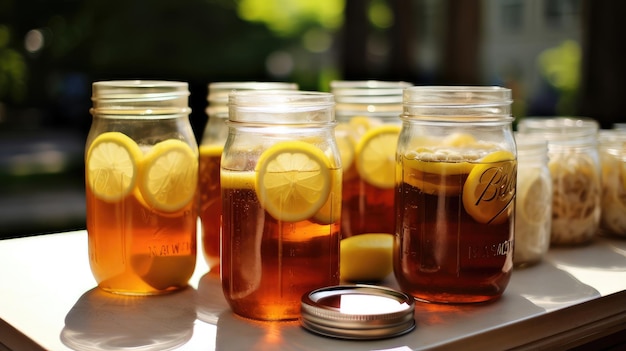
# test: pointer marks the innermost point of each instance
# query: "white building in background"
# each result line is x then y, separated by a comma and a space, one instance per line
514, 34
517, 32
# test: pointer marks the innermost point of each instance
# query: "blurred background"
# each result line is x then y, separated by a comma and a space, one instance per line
560, 57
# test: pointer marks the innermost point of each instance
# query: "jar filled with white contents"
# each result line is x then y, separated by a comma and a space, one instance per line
575, 170
612, 150
533, 207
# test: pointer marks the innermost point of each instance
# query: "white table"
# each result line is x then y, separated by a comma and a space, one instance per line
48, 300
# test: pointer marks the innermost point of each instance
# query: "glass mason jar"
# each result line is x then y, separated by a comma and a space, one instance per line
455, 189
575, 169
368, 116
212, 144
612, 150
533, 204
141, 168
281, 200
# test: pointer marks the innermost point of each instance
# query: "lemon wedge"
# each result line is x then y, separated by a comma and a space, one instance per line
169, 175
366, 257
376, 156
112, 165
293, 180
490, 187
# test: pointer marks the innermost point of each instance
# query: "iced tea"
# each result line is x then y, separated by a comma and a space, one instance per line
368, 181
268, 264
454, 239
138, 250
141, 175
210, 204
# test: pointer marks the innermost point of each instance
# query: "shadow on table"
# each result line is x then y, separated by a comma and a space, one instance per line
550, 287
103, 321
211, 300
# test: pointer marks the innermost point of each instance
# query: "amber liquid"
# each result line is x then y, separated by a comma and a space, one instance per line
267, 264
210, 209
365, 207
137, 250
442, 254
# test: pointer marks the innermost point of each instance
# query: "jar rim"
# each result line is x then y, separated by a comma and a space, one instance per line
447, 102
557, 125
140, 97
281, 107
218, 92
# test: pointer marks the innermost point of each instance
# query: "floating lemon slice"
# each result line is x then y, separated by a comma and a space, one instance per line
361, 124
376, 156
533, 196
346, 150
331, 211
293, 180
366, 257
490, 187
112, 164
169, 176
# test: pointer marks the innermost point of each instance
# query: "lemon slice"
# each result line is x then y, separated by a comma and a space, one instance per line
169, 175
366, 257
293, 180
331, 211
346, 150
376, 156
361, 124
490, 187
112, 164
533, 197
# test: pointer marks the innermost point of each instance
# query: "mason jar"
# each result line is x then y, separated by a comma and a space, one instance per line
612, 150
533, 208
211, 146
141, 169
575, 170
456, 168
368, 116
281, 201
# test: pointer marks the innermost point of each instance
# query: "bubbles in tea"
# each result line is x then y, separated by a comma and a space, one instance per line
454, 240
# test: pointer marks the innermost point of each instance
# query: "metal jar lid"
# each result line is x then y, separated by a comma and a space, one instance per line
360, 312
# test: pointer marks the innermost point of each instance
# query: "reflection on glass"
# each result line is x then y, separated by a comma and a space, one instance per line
105, 321
363, 304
